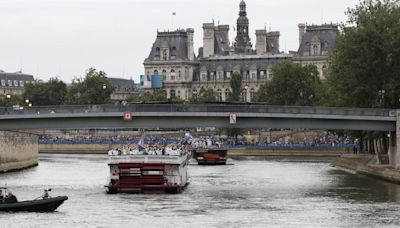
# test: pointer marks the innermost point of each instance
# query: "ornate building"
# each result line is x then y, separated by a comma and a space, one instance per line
14, 83
316, 43
172, 56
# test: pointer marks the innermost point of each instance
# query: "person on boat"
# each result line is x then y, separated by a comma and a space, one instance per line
10, 198
46, 194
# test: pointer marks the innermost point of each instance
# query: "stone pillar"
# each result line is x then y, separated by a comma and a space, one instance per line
394, 144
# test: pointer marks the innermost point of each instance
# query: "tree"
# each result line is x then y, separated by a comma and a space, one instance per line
93, 89
236, 85
203, 96
292, 84
156, 96
51, 92
364, 69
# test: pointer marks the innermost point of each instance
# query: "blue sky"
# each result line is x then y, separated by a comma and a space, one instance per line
63, 38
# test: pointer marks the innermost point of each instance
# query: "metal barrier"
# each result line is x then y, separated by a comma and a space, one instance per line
226, 108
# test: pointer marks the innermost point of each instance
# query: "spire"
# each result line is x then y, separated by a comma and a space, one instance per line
242, 44
242, 7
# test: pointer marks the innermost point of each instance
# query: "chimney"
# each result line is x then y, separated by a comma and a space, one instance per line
190, 48
208, 39
302, 29
261, 41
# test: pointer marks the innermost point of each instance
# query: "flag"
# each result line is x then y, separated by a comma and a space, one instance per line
173, 13
141, 142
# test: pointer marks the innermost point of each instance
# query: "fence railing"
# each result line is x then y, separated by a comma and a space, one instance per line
226, 108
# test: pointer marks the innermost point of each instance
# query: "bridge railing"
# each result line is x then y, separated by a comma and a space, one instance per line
226, 108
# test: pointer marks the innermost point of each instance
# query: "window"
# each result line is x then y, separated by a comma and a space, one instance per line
172, 93
244, 95
228, 75
173, 74
173, 53
15, 82
220, 75
194, 92
253, 76
156, 72
3, 82
21, 83
227, 94
179, 75
252, 94
315, 50
9, 82
204, 77
164, 74
219, 95
212, 76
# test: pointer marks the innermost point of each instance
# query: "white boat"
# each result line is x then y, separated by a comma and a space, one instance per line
148, 170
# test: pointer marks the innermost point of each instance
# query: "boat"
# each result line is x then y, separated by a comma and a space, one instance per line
207, 152
45, 203
151, 170
210, 156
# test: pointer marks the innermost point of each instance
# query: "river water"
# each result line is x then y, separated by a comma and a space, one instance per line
251, 192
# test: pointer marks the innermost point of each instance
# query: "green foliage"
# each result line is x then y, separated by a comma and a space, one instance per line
292, 84
203, 96
46, 93
156, 96
93, 89
367, 57
236, 85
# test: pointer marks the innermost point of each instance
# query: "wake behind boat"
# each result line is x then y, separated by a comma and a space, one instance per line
9, 202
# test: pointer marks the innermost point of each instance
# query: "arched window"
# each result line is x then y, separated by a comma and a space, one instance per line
172, 93
155, 72
157, 55
227, 94
164, 74
173, 53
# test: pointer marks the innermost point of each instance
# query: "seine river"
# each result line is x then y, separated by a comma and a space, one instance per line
251, 192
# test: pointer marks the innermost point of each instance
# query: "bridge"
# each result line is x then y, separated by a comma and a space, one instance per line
159, 116
169, 116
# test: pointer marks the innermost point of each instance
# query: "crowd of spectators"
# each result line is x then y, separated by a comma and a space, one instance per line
323, 139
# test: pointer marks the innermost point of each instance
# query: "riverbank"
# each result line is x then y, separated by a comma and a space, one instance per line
276, 151
367, 165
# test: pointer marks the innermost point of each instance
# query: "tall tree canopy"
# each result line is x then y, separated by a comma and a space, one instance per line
292, 84
149, 97
365, 67
93, 89
203, 96
236, 85
51, 92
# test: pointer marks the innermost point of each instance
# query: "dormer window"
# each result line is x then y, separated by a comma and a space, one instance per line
173, 53
157, 55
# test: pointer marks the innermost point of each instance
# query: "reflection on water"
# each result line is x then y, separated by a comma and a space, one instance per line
253, 192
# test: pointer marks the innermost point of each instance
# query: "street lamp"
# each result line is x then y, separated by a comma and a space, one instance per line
104, 92
381, 94
26, 101
30, 104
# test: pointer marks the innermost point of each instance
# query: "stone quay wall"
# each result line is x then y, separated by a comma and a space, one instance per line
367, 165
18, 150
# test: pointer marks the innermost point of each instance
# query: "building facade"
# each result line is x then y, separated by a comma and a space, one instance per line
14, 83
123, 89
172, 56
184, 74
316, 44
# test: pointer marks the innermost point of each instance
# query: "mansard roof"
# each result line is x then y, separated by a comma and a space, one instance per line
326, 35
15, 76
177, 39
242, 62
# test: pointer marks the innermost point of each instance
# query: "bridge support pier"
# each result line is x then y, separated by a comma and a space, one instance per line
394, 144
